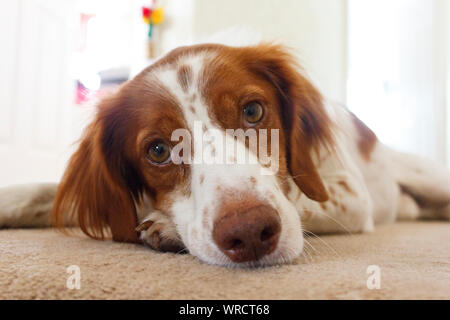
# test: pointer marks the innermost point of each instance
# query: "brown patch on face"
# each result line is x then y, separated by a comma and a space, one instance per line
366, 138
158, 117
202, 178
343, 207
253, 181
323, 206
334, 201
191, 108
184, 77
345, 185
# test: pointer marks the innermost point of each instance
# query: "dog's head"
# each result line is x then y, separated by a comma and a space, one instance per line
166, 136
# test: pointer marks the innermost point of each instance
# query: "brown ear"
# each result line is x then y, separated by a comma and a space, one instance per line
98, 188
306, 122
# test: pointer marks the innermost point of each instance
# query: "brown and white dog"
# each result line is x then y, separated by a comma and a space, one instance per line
333, 175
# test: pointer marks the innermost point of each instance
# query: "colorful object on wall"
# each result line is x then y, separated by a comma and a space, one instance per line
152, 16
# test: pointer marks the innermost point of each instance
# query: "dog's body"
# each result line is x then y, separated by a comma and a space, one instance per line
333, 175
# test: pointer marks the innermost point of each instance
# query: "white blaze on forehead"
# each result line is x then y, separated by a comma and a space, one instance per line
187, 92
189, 98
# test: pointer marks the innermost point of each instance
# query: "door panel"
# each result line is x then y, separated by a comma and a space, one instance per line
36, 90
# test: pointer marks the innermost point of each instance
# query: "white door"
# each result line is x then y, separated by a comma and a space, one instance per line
36, 92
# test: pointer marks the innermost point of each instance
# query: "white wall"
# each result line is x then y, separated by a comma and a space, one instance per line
316, 29
397, 72
446, 11
39, 120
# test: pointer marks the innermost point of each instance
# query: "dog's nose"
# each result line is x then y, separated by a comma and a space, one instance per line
248, 235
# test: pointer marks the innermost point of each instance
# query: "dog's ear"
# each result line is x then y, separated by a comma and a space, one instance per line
99, 188
305, 119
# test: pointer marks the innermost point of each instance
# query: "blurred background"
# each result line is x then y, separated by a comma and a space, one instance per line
387, 60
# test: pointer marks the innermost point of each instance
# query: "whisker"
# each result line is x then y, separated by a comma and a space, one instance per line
310, 245
184, 250
346, 229
323, 241
307, 254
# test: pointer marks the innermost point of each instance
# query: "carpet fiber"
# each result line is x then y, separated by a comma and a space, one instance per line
414, 260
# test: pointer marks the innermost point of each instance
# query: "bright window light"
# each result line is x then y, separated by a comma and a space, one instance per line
394, 69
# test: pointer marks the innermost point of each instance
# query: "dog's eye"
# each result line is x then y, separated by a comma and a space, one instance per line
158, 152
253, 112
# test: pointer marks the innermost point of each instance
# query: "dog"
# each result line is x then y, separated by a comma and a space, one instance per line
332, 175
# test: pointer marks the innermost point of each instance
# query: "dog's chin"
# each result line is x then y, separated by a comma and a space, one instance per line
273, 259
285, 253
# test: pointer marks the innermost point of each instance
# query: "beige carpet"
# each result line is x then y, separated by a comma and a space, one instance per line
414, 260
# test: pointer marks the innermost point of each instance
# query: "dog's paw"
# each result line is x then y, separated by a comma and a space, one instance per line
159, 233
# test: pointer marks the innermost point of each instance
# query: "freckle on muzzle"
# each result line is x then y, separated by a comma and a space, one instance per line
248, 235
